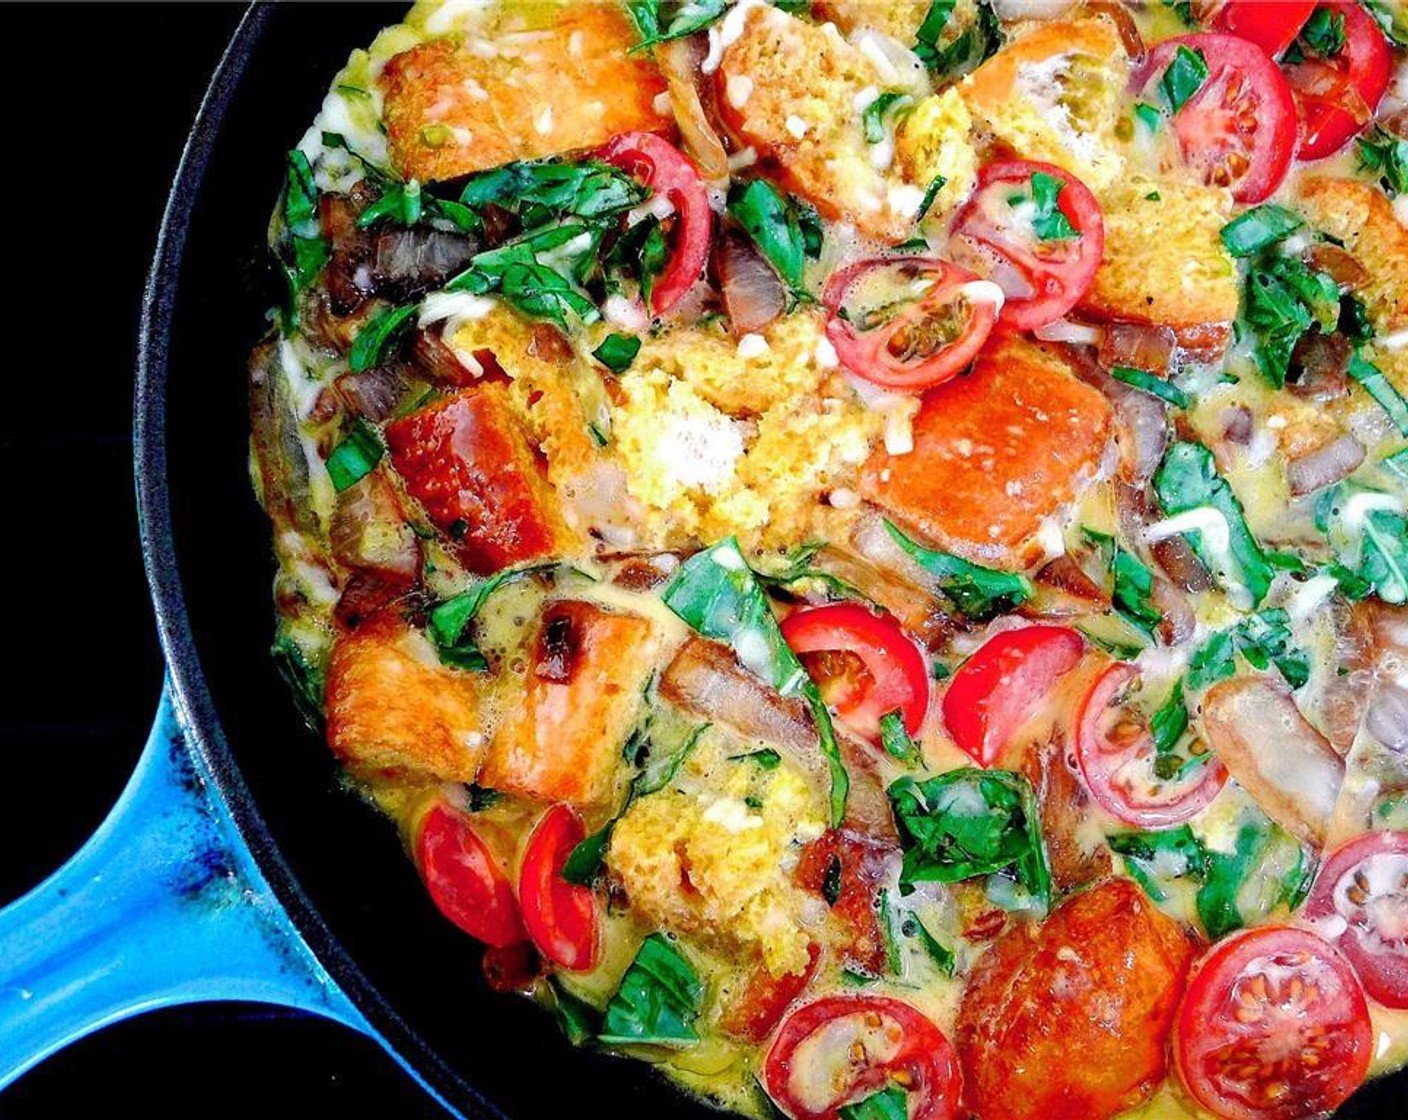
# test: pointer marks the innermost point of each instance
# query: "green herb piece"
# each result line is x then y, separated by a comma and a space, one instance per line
1148, 116
305, 679
1264, 639
546, 294
659, 21
1183, 78
1170, 721
948, 52
1386, 157
978, 592
1322, 36
447, 625
946, 959
896, 741
1152, 384
579, 1020
1392, 18
873, 118
541, 192
478, 798
765, 759
660, 770
1155, 859
300, 192
717, 594
1267, 868
1259, 228
586, 861
658, 1001
1183, 9
1354, 321
1187, 479
776, 227
1379, 387
1397, 464
970, 822
798, 567
1120, 651
380, 336
1134, 590
1048, 222
1281, 300
890, 1103
931, 192
355, 457
617, 352
1369, 533
401, 203
1153, 196
894, 956
305, 250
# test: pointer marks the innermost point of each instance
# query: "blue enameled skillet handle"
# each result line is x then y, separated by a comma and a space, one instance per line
164, 905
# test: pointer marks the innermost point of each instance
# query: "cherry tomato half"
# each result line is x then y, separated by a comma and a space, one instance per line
1239, 129
898, 676
1273, 1026
666, 170
1336, 97
1270, 24
996, 690
562, 917
839, 1049
1115, 753
465, 880
1365, 885
996, 234
922, 320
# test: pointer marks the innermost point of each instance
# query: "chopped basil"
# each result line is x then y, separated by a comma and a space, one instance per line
798, 567
1379, 387
1152, 384
659, 770
896, 741
355, 457
1183, 78
1391, 18
946, 959
1322, 36
1372, 543
659, 21
873, 118
1155, 859
1153, 196
717, 594
890, 1103
1397, 464
1148, 116
968, 823
978, 592
305, 250
1266, 868
766, 759
1183, 9
948, 52
1282, 299
300, 192
1258, 228
658, 1000
931, 192
1133, 584
516, 271
1187, 479
579, 1020
447, 625
1214, 660
776, 226
380, 336
305, 680
541, 192
1170, 721
585, 862
1048, 222
1264, 639
1120, 651
617, 352
401, 203
1354, 320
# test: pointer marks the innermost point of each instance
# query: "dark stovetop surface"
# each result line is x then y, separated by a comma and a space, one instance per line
83, 670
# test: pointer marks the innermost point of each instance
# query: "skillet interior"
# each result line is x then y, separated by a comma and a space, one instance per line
333, 860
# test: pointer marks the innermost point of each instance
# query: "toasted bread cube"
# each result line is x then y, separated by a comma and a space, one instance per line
453, 107
1164, 261
1360, 216
899, 19
1056, 94
467, 462
995, 454
934, 140
392, 708
584, 691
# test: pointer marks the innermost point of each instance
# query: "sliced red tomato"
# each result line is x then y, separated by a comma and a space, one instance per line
1336, 97
1360, 902
465, 880
1273, 1026
1115, 753
908, 322
666, 170
896, 676
998, 689
1239, 129
840, 1049
1270, 24
996, 233
562, 917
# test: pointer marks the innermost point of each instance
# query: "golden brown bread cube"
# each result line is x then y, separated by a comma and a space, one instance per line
393, 708
995, 454
1360, 216
453, 107
584, 688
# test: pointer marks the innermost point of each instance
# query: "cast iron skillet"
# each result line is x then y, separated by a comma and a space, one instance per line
334, 863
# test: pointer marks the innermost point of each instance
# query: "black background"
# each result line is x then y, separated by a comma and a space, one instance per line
101, 112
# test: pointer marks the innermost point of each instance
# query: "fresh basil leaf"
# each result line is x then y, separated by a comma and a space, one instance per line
1397, 464
1369, 533
305, 680
1155, 859
546, 294
659, 21
617, 352
355, 457
401, 203
1134, 589
1386, 157
873, 118
931, 192
380, 336
658, 1001
797, 568
946, 959
1258, 228
447, 625
978, 592
971, 822
1281, 300
1265, 639
1322, 36
1152, 384
1120, 651
654, 254
1354, 321
1148, 116
772, 223
1266, 868
896, 741
305, 250
586, 861
890, 1103
1187, 479
1183, 9
542, 192
300, 193
1170, 721
659, 771
1048, 222
1183, 78
948, 52
579, 1020
1379, 387
765, 759
1392, 19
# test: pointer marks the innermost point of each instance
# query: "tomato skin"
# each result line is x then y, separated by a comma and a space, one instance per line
1247, 999
1101, 762
464, 879
867, 354
920, 1051
1361, 71
999, 688
561, 917
900, 675
667, 170
1058, 273
1271, 24
1383, 972
1246, 144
